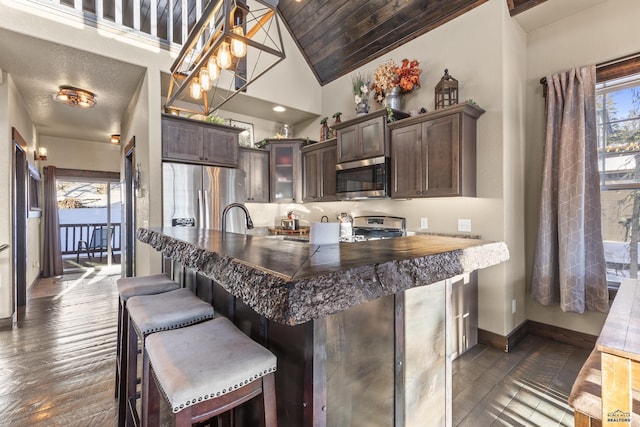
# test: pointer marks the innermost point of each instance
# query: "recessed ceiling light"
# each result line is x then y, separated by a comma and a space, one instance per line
279, 109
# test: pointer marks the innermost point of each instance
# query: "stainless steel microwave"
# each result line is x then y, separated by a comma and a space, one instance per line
363, 179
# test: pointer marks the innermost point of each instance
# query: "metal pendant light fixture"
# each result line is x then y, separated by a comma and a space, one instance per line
75, 97
228, 49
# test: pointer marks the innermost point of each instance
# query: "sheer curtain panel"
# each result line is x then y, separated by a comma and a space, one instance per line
569, 266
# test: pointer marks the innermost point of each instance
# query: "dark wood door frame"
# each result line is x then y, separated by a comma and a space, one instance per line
19, 224
129, 227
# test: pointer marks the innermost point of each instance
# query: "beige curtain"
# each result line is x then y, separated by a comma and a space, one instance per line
52, 263
569, 266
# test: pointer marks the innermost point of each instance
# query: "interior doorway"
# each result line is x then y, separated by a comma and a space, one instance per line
19, 229
89, 209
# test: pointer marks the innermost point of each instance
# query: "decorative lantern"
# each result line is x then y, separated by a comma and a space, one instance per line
446, 91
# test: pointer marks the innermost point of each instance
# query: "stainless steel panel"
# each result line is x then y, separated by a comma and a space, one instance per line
180, 186
360, 365
425, 356
195, 195
223, 186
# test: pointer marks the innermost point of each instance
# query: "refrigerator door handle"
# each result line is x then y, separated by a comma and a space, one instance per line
206, 214
200, 209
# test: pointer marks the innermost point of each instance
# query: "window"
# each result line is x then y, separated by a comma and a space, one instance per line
618, 123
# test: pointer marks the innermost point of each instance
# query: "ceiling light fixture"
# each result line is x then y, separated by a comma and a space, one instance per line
75, 97
279, 109
234, 45
115, 139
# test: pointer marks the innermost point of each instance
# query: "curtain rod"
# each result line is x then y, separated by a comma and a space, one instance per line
543, 80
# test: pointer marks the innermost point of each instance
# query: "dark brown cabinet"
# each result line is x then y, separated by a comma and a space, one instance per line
285, 170
199, 142
434, 154
319, 171
255, 164
364, 137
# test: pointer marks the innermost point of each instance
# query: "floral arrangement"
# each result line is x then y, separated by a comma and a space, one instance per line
388, 75
360, 84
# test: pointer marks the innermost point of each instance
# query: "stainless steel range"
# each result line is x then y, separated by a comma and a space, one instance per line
374, 227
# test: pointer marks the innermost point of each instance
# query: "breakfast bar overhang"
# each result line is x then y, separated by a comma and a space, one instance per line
360, 337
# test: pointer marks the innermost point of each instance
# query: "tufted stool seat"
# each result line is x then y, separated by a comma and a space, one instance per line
205, 370
154, 313
127, 288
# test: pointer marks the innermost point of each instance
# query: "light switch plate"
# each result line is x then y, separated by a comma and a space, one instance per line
464, 225
424, 223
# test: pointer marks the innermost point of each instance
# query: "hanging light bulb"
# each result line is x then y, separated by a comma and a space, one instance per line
205, 81
238, 47
195, 90
224, 56
214, 71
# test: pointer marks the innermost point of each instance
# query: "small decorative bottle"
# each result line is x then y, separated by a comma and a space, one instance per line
324, 130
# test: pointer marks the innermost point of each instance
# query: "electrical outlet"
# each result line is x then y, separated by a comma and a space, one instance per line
513, 306
464, 225
424, 223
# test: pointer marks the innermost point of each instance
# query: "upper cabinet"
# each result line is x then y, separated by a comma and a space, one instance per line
199, 142
364, 137
434, 154
255, 164
286, 177
319, 171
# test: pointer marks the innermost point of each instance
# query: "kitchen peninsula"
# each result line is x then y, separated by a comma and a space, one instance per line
359, 339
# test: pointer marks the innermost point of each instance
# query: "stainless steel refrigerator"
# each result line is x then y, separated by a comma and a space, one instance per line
194, 196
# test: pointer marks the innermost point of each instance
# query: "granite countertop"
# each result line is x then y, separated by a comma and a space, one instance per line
292, 282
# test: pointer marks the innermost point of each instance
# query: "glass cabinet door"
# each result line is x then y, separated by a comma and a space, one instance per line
283, 175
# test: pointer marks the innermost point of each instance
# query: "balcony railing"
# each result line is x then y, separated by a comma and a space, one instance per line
71, 234
166, 21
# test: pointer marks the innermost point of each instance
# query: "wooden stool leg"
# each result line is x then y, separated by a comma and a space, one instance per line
269, 399
118, 339
150, 393
123, 335
132, 373
183, 418
145, 401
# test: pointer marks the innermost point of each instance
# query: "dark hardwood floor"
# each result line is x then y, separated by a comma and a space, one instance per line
57, 366
527, 387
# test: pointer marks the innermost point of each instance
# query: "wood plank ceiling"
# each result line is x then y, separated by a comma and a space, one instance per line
339, 36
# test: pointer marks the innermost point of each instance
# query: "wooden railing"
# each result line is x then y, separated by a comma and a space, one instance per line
71, 234
167, 21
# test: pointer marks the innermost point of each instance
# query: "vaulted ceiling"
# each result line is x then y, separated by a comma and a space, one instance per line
338, 36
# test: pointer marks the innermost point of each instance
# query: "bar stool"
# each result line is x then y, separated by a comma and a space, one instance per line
129, 287
154, 313
205, 370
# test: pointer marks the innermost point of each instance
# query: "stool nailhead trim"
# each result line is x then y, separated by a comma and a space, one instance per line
174, 326
217, 393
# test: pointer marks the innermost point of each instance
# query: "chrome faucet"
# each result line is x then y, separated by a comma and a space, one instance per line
235, 205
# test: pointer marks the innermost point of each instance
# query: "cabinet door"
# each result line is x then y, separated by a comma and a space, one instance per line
407, 162
348, 148
311, 176
441, 140
328, 160
255, 165
181, 141
285, 173
220, 147
371, 134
